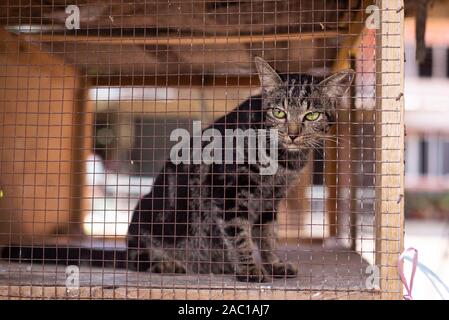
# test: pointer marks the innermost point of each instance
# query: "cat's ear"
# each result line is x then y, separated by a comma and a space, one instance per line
337, 84
269, 79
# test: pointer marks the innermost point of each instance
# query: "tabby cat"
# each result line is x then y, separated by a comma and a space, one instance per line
220, 217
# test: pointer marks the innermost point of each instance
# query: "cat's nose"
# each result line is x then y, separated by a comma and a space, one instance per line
293, 130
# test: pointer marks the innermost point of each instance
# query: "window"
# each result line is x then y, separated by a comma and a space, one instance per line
445, 154
424, 156
447, 62
318, 167
154, 134
427, 156
425, 68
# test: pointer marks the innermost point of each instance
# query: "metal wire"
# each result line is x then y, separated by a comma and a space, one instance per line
86, 117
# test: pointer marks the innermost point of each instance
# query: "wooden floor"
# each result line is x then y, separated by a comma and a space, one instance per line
323, 274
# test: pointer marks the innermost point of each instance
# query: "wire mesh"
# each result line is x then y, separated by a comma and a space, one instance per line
93, 96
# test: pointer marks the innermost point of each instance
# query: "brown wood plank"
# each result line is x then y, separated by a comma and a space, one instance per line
103, 80
188, 41
57, 292
40, 95
323, 273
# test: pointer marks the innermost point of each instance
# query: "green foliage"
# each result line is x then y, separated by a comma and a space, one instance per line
427, 205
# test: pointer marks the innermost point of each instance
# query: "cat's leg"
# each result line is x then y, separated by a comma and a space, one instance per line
165, 263
266, 239
151, 256
146, 250
241, 248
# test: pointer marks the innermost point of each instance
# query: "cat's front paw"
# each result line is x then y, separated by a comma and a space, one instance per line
252, 273
282, 269
167, 267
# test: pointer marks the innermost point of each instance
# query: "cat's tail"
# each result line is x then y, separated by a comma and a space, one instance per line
95, 256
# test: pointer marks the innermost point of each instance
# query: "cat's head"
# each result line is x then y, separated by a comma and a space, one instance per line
300, 109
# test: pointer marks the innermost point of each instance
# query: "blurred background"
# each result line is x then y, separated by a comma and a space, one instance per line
427, 150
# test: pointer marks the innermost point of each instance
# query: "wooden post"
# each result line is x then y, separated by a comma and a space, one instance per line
82, 132
353, 157
331, 155
346, 183
389, 203
40, 176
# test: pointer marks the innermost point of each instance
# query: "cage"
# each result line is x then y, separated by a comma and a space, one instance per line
91, 93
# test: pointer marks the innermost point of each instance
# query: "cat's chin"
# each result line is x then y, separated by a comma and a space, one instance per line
292, 148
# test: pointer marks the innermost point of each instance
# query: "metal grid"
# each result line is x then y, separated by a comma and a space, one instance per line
86, 118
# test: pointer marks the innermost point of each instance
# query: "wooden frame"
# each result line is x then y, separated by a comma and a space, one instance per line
171, 40
390, 146
389, 154
87, 293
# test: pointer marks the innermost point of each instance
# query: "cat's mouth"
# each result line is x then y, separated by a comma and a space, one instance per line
290, 145
293, 147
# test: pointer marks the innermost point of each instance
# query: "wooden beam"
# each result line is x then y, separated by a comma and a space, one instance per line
352, 162
184, 41
173, 80
331, 154
181, 102
389, 203
12, 292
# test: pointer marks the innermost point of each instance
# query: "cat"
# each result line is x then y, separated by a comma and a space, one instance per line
220, 218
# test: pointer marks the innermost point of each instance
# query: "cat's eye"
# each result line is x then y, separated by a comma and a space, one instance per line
278, 113
312, 116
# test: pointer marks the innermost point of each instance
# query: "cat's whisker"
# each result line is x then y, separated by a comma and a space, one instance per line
334, 138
